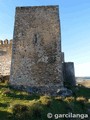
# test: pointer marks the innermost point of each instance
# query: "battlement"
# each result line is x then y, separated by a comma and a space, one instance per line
5, 47
5, 42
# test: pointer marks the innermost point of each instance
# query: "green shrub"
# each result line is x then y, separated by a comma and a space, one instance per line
6, 92
21, 112
17, 108
24, 112
36, 110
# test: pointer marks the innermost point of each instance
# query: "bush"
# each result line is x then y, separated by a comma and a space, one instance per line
24, 112
36, 110
20, 112
17, 108
7, 92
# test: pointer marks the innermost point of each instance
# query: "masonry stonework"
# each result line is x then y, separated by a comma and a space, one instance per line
36, 55
37, 62
69, 73
5, 57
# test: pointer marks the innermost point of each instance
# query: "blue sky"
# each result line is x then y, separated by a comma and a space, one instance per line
75, 28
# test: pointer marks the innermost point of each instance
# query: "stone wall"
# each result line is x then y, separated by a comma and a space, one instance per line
36, 55
69, 73
37, 59
5, 57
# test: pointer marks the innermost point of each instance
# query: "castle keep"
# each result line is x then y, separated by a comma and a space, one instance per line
37, 59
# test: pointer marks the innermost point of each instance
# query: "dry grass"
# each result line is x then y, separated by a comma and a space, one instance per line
81, 99
85, 83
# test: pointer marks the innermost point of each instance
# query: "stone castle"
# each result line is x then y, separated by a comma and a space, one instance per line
37, 59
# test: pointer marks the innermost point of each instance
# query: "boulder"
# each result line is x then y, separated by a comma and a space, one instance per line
64, 92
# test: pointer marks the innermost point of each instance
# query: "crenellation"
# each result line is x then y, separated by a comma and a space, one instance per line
6, 41
11, 41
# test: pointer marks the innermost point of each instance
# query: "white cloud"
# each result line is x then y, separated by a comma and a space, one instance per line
82, 69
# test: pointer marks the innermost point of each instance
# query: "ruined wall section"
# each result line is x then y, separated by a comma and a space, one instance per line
5, 57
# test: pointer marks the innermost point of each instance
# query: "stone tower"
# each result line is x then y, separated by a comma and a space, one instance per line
36, 52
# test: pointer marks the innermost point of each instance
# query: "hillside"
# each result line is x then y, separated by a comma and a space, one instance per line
20, 105
85, 81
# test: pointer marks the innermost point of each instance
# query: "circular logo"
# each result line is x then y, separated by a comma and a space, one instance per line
49, 115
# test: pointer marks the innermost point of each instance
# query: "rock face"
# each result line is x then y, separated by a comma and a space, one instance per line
36, 54
64, 92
